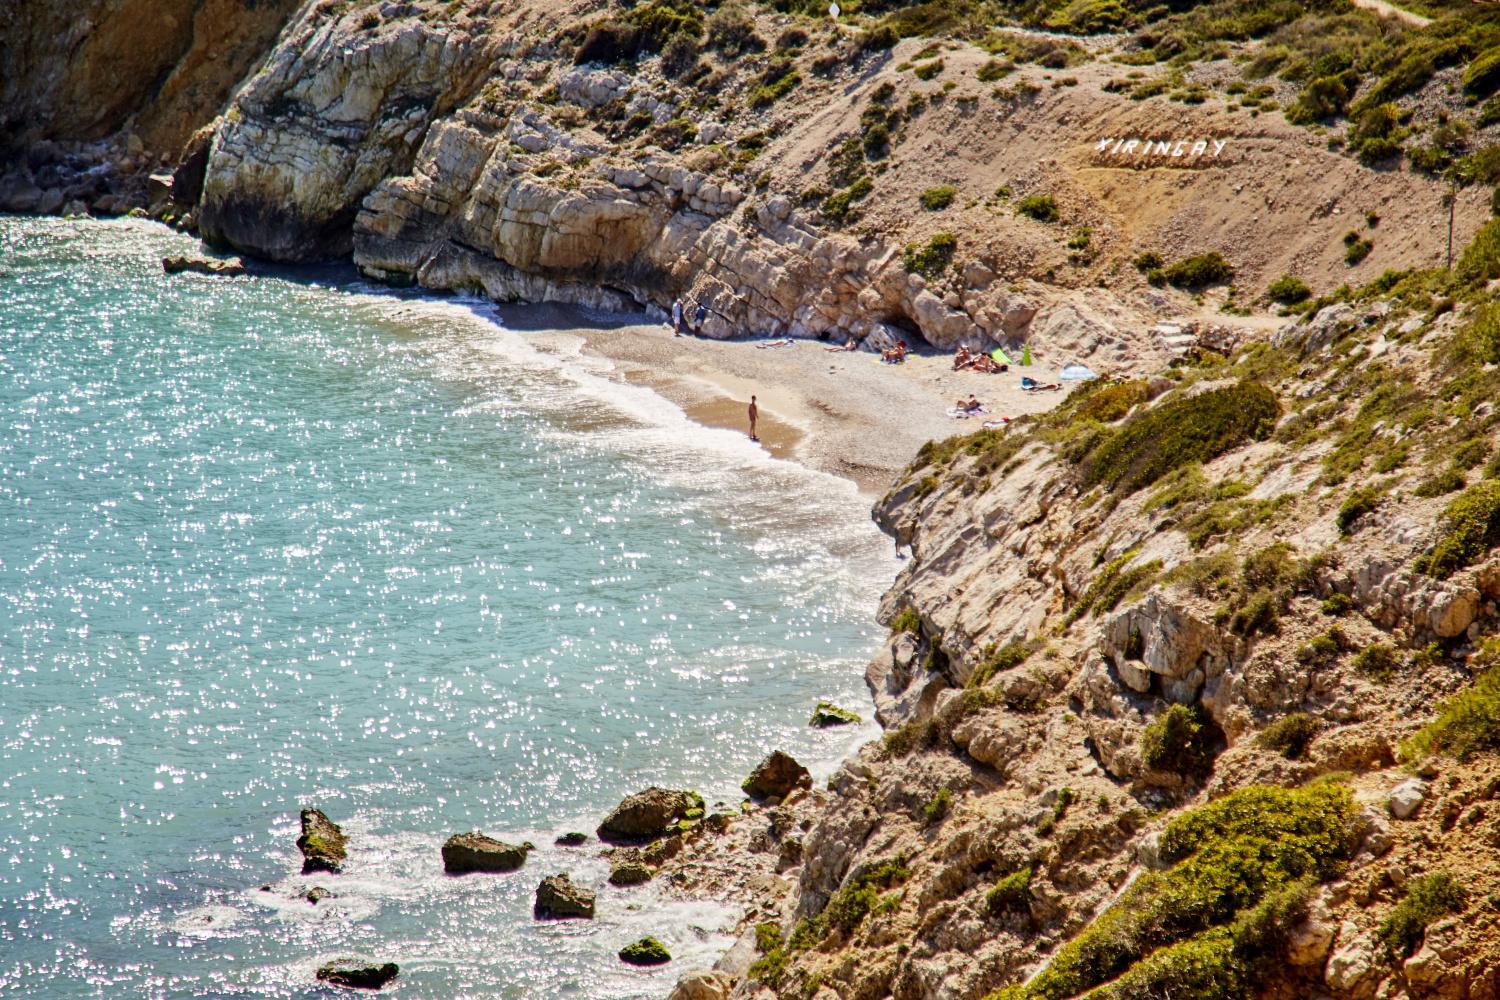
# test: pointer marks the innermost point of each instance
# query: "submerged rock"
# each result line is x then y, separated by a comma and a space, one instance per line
317, 894
828, 714
572, 839
776, 776
557, 898
474, 852
203, 265
358, 973
650, 814
322, 843
646, 951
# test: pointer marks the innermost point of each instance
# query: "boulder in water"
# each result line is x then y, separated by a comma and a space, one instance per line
628, 871
474, 852
828, 714
557, 898
646, 951
572, 839
648, 815
322, 843
317, 894
776, 776
203, 265
358, 973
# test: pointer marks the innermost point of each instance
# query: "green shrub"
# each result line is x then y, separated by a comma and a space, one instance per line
913, 735
1483, 74
839, 206
1470, 526
1471, 454
1012, 894
771, 966
1321, 649
1198, 272
731, 30
1259, 615
1489, 113
1337, 605
1468, 723
1007, 657
1112, 402
1288, 290
1449, 480
679, 56
1181, 741
907, 620
928, 70
994, 70
1480, 260
861, 893
1289, 735
1378, 661
937, 198
1428, 897
1356, 505
776, 81
1113, 584
1324, 98
931, 259
1357, 251
936, 809
645, 29
1179, 432
1213, 925
1041, 207
879, 38
1148, 260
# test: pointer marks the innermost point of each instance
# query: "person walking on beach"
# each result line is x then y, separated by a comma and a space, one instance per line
754, 412
677, 318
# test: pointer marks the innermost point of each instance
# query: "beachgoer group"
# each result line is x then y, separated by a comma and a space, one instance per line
977, 361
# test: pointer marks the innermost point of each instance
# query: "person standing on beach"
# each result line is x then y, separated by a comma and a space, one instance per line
677, 318
698, 317
754, 412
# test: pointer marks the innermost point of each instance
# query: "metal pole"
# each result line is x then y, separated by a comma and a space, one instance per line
1451, 199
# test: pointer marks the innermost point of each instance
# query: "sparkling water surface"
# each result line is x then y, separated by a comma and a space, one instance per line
267, 542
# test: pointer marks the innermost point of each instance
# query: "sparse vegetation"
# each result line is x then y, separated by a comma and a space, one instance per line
932, 258
936, 809
1181, 740
1289, 735
937, 198
1288, 290
1470, 526
1428, 897
1194, 273
1041, 207
1469, 721
1377, 661
1012, 894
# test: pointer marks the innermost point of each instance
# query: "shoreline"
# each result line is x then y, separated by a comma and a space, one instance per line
842, 413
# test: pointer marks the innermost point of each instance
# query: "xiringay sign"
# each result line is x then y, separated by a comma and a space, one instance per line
1171, 149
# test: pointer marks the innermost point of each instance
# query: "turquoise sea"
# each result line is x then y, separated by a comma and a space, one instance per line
282, 540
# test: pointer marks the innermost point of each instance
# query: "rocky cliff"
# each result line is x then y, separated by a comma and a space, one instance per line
1188, 690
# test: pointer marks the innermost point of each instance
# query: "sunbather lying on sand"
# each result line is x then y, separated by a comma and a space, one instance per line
787, 342
849, 345
1032, 385
895, 355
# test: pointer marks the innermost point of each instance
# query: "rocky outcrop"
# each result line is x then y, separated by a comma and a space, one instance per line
557, 898
474, 852
827, 714
341, 104
776, 777
650, 814
628, 869
322, 843
703, 985
358, 973
203, 265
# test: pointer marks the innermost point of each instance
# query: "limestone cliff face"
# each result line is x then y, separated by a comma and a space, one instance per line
160, 68
1048, 622
343, 102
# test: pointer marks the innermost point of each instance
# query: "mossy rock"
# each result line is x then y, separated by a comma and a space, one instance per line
474, 852
572, 839
647, 815
629, 871
776, 777
828, 714
322, 843
646, 951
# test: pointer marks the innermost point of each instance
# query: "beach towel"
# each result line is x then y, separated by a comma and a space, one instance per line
999, 356
1077, 373
958, 414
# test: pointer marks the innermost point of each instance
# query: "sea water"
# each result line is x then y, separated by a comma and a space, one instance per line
275, 541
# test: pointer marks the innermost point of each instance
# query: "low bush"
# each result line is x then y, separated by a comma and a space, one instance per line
731, 30
1356, 505
1214, 924
1288, 290
1470, 528
932, 258
936, 809
913, 735
994, 70
1378, 661
860, 894
1114, 582
1357, 251
1259, 615
1012, 894
907, 620
1289, 735
1467, 723
928, 70
1337, 605
1179, 432
778, 79
1480, 260
1482, 77
1194, 273
1007, 657
1112, 402
1448, 480
935, 199
1428, 897
1182, 740
1041, 207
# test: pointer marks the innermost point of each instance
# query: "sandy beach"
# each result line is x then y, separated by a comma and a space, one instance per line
844, 413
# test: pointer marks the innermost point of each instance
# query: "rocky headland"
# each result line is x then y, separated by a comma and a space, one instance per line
1190, 687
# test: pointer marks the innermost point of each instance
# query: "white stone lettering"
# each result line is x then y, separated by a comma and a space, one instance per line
1145, 150
1199, 148
1177, 149
1130, 145
1103, 145
1162, 148
1219, 145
